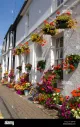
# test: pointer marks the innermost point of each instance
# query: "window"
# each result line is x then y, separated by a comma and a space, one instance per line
8, 64
27, 23
59, 2
13, 62
59, 53
59, 50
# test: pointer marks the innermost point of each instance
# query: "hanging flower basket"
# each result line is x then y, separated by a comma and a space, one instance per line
19, 68
72, 62
41, 65
49, 28
22, 48
38, 39
25, 48
65, 21
18, 51
28, 66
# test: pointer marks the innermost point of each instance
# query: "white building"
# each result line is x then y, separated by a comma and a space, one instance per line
29, 20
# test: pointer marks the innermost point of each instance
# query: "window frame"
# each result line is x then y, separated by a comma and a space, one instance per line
58, 58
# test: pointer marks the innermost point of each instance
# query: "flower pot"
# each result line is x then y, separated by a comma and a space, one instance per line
26, 92
61, 24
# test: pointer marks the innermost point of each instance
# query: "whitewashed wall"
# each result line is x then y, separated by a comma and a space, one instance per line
21, 31
39, 10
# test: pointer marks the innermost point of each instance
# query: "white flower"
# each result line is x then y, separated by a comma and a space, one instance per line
75, 112
54, 99
54, 94
77, 117
57, 93
72, 110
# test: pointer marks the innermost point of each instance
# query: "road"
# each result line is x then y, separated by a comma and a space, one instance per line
4, 112
13, 106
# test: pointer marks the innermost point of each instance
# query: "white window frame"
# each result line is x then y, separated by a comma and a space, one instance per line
59, 49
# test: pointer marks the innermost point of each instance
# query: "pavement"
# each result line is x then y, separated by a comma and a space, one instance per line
14, 106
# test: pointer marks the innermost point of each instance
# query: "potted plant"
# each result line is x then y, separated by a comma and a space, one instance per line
26, 88
41, 65
58, 99
49, 28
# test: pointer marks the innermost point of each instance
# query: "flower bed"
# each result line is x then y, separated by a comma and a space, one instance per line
71, 106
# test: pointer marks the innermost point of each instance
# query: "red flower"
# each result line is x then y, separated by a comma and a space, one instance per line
52, 23
42, 89
58, 12
79, 88
26, 43
42, 45
44, 41
56, 90
68, 13
67, 97
46, 22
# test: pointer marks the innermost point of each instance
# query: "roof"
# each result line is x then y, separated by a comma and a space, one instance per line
10, 29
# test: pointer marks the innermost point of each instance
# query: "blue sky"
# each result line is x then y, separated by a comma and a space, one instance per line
8, 12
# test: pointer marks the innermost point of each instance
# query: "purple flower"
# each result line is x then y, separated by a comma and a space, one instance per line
79, 105
19, 92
